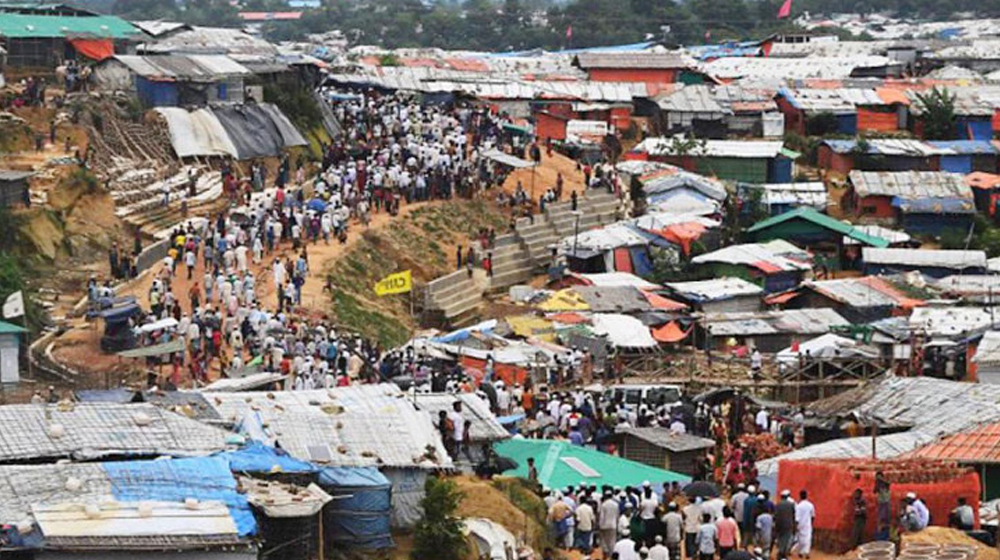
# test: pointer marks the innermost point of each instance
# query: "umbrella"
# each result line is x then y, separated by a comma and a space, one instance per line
239, 218
316, 205
701, 489
505, 464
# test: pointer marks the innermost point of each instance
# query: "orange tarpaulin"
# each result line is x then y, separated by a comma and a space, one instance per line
671, 332
568, 318
623, 260
981, 180
662, 303
683, 234
94, 49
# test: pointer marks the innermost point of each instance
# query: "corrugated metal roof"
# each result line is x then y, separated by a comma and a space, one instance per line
979, 445
752, 254
818, 218
14, 175
664, 180
361, 425
157, 28
910, 185
988, 351
965, 147
643, 61
745, 100
970, 284
692, 99
211, 40
660, 146
769, 68
95, 430
870, 291
196, 68
807, 194
953, 322
672, 441
792, 321
933, 407
890, 147
931, 258
890, 235
715, 289
483, 424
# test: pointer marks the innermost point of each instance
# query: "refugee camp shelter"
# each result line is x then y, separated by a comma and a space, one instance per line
561, 464
841, 156
987, 358
663, 449
484, 429
929, 262
174, 80
45, 35
658, 68
779, 198
175, 508
14, 188
919, 410
768, 331
860, 300
694, 108
719, 295
356, 426
978, 447
776, 265
10, 345
89, 431
821, 234
731, 160
243, 132
924, 202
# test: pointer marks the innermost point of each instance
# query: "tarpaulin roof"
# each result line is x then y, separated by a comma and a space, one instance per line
663, 180
169, 347
244, 132
988, 351
982, 180
204, 68
829, 347
935, 258
714, 148
757, 255
483, 425
817, 218
531, 326
615, 279
560, 465
506, 159
670, 440
670, 332
869, 291
564, 300
716, 289
623, 331
789, 321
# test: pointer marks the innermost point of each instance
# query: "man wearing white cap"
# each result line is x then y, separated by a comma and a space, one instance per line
784, 523
625, 547
805, 512
659, 552
608, 523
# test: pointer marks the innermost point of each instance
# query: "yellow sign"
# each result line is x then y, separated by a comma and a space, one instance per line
398, 283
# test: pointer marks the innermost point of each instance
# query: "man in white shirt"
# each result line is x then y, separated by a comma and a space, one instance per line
608, 523
762, 420
458, 427
585, 520
659, 552
805, 512
625, 548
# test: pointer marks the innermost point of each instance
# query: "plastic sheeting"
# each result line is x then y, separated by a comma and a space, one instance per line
198, 133
360, 513
623, 331
259, 458
94, 49
244, 131
206, 478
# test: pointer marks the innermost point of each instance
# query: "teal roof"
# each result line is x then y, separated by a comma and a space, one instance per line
822, 220
9, 328
43, 26
554, 471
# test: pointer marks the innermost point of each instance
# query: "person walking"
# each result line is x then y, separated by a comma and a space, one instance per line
692, 521
673, 522
608, 523
784, 523
708, 538
585, 520
805, 512
728, 533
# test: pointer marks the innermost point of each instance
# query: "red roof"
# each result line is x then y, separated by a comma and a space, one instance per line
981, 445
467, 64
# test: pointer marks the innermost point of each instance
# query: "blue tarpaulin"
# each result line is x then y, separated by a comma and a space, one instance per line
974, 129
204, 478
119, 314
641, 264
120, 396
361, 510
259, 458
846, 124
957, 164
934, 205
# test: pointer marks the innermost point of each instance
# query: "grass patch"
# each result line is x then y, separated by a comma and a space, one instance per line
519, 493
353, 315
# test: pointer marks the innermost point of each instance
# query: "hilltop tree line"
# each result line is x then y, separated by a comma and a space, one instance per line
498, 25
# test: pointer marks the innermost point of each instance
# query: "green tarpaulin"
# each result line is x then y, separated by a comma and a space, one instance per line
560, 464
175, 345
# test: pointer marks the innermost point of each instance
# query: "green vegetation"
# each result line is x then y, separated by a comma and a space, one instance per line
939, 114
355, 316
438, 536
519, 492
14, 270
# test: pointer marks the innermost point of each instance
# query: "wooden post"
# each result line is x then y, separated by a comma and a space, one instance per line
322, 552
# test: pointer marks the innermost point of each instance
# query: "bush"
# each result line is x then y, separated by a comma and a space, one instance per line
438, 535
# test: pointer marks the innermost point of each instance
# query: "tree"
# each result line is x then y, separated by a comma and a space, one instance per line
438, 536
938, 114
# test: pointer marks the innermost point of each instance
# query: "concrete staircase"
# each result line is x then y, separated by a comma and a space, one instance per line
455, 299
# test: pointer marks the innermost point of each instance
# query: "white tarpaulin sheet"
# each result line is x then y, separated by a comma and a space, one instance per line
125, 520
167, 323
197, 133
623, 331
827, 347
